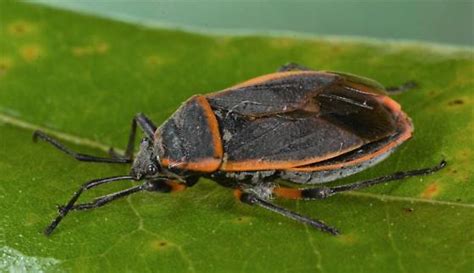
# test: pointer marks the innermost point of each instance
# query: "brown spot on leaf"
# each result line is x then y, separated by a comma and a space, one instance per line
408, 210
456, 102
431, 191
159, 244
30, 52
93, 49
20, 28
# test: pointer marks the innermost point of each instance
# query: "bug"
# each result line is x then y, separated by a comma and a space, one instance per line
303, 126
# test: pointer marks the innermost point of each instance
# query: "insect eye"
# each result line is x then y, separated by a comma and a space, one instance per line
152, 169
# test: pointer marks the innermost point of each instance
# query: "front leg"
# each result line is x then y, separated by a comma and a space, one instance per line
164, 186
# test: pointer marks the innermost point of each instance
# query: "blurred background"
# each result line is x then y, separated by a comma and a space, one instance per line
437, 21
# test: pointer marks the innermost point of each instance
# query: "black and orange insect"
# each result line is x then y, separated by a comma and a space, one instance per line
299, 125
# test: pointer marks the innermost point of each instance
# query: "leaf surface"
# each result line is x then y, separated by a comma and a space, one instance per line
83, 78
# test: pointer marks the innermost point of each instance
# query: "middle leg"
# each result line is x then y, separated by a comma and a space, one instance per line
86, 186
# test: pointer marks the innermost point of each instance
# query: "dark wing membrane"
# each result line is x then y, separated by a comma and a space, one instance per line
360, 113
190, 139
343, 119
373, 151
271, 94
280, 142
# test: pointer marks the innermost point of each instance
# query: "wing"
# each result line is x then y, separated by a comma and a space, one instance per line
271, 94
281, 142
294, 119
362, 84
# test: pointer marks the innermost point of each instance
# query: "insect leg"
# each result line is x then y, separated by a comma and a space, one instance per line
253, 199
91, 184
147, 127
78, 156
401, 88
165, 186
324, 192
103, 200
293, 67
145, 124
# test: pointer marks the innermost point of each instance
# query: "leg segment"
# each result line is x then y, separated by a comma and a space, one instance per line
78, 156
401, 88
145, 124
324, 192
159, 186
103, 200
91, 184
253, 199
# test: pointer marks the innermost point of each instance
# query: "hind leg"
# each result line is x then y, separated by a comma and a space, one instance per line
324, 192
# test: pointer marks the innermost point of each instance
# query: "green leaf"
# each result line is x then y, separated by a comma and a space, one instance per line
83, 78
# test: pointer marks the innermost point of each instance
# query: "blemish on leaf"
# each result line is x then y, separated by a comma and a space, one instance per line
408, 210
160, 244
242, 220
456, 102
94, 49
154, 60
20, 28
5, 65
81, 51
348, 239
30, 52
431, 191
102, 47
